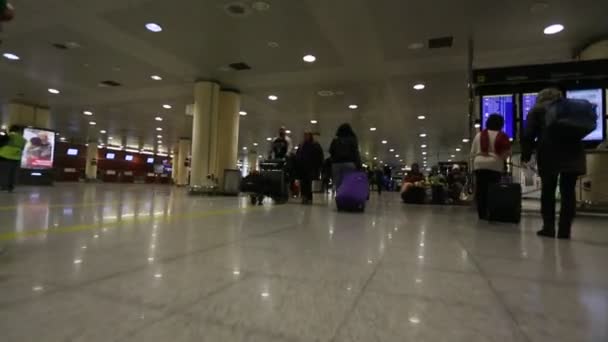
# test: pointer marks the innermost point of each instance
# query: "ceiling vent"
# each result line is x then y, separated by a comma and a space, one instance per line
108, 84
237, 9
440, 43
240, 66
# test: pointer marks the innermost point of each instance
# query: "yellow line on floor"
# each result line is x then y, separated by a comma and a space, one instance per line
81, 205
12, 236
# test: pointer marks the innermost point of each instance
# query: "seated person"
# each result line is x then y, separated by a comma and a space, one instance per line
438, 184
412, 190
456, 182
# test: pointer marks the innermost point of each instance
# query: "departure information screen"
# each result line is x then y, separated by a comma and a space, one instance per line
527, 103
594, 96
502, 105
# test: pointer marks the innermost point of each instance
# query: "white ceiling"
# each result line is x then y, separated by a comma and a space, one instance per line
361, 48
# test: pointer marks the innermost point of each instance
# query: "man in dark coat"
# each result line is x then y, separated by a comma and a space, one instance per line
558, 159
309, 160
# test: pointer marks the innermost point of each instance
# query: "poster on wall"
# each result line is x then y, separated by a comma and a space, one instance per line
39, 149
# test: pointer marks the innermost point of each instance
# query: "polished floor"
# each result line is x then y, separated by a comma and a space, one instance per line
142, 263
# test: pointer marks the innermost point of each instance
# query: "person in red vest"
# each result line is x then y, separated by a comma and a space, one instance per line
489, 151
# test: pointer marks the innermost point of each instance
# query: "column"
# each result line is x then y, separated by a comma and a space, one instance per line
175, 166
204, 132
228, 132
182, 156
91, 161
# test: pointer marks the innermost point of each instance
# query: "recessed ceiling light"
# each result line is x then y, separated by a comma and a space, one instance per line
465, 140
453, 156
423, 135
87, 112
477, 125
273, 97
53, 91
158, 118
159, 129
153, 27
419, 86
110, 138
421, 117
353, 106
375, 158
242, 113
156, 77
458, 150
396, 156
103, 131
314, 122
166, 106
92, 123
553, 29
11, 56
159, 136
62, 139
268, 139
415, 46
288, 131
373, 129
309, 58
159, 142
384, 142
244, 148
424, 153
392, 150
255, 144
422, 146
273, 45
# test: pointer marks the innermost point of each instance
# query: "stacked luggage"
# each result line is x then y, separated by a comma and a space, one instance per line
271, 182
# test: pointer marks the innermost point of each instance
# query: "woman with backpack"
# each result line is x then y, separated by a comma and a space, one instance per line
489, 150
559, 157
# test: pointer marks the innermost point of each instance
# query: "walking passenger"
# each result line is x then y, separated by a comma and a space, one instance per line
10, 157
309, 161
344, 153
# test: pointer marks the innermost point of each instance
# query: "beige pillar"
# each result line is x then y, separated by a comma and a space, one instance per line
204, 133
91, 161
27, 115
228, 133
175, 166
182, 155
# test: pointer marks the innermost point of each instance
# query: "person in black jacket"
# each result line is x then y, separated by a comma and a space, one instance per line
344, 152
309, 160
557, 158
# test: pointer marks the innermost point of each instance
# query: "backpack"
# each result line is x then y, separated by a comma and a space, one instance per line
571, 119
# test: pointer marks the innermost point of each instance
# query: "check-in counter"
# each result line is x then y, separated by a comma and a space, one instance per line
110, 176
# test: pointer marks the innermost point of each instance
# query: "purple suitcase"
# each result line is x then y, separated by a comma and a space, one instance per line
353, 193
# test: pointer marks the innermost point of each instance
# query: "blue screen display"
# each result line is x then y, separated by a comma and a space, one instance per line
499, 104
527, 103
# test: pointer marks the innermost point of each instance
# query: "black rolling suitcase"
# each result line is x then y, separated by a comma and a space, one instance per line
504, 202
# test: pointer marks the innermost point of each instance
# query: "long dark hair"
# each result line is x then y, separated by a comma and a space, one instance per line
345, 131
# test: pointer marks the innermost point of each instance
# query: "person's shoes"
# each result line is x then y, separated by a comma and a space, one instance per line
546, 233
563, 236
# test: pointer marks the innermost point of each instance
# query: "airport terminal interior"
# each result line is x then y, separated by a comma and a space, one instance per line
150, 203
